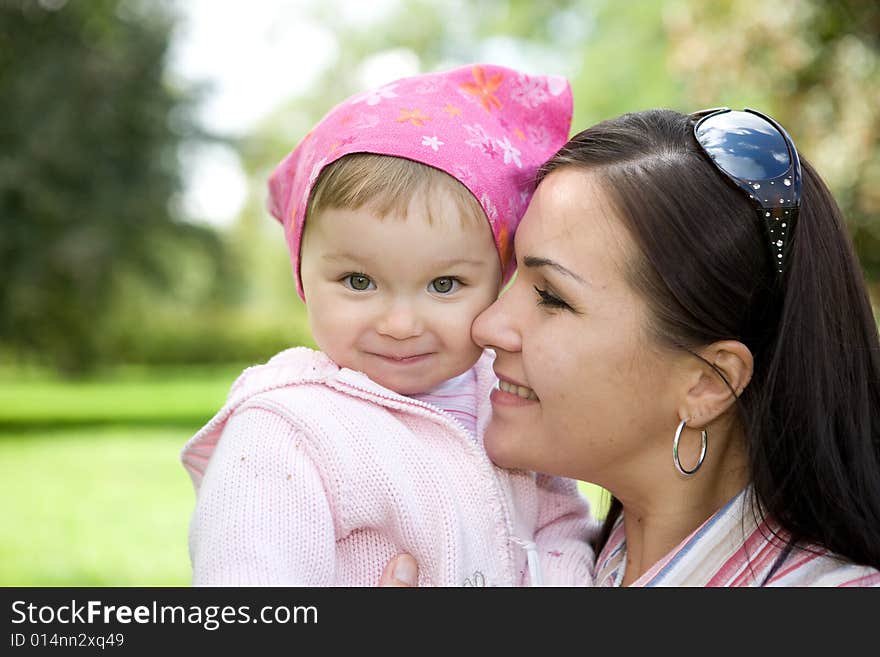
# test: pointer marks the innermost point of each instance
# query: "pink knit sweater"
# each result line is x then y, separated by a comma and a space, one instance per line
312, 475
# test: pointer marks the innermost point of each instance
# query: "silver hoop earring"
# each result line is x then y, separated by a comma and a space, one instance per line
705, 440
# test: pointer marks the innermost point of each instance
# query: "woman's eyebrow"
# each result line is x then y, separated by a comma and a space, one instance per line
534, 261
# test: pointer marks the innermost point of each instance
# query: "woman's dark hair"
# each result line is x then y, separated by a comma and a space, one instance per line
811, 412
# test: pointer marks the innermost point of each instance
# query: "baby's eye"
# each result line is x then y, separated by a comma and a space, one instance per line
445, 284
358, 282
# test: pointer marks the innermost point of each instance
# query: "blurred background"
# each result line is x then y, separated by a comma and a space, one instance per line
140, 271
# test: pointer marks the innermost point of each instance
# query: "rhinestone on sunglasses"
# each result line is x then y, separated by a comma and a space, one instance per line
756, 154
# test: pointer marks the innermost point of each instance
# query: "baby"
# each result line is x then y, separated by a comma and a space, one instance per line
399, 210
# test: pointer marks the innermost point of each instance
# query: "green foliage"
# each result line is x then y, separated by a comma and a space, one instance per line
88, 167
96, 266
218, 336
130, 395
813, 64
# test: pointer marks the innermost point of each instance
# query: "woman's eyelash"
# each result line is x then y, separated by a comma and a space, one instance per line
547, 299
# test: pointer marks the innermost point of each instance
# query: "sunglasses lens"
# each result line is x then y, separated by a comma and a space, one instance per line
744, 145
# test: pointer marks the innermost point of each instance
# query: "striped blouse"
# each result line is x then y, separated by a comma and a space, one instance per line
732, 548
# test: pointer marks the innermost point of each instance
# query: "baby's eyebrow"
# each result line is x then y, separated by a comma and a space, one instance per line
442, 264
535, 261
342, 256
452, 262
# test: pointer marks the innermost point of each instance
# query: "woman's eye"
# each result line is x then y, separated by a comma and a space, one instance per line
358, 282
547, 299
445, 284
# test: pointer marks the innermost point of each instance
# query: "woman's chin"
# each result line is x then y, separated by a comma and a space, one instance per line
499, 449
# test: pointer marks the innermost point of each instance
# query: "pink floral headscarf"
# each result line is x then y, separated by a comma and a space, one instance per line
487, 126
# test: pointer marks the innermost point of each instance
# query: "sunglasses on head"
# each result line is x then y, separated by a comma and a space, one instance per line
756, 155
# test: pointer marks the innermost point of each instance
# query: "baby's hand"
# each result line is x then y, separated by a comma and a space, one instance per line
402, 570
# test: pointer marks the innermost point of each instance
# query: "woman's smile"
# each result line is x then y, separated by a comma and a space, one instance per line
521, 391
512, 394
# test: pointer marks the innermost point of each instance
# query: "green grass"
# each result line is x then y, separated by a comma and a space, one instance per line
94, 493
94, 507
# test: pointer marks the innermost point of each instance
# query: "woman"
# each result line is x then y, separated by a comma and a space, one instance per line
694, 327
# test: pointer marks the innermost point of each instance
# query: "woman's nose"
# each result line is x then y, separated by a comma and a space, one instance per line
400, 321
493, 327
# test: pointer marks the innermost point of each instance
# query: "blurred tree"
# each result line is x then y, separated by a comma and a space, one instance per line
88, 168
575, 38
816, 66
812, 63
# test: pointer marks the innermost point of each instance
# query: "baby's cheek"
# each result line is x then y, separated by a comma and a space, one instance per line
332, 331
467, 351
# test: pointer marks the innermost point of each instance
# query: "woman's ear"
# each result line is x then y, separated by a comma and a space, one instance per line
709, 395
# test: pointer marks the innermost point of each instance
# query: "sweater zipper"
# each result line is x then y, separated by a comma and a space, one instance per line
531, 554
531, 550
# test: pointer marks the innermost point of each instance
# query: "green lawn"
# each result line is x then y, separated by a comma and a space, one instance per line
132, 396
94, 507
94, 493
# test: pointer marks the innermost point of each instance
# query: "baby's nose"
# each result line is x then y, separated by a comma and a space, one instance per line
400, 321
